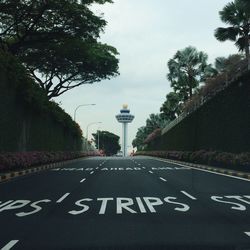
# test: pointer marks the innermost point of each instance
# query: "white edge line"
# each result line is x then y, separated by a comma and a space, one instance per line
204, 170
247, 233
10, 245
83, 180
188, 195
163, 179
62, 198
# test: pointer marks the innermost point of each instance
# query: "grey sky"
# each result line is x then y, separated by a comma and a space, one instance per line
147, 33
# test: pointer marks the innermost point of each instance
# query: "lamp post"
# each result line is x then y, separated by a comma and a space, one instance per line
87, 131
98, 139
82, 105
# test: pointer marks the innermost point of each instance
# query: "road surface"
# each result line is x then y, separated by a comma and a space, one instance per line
125, 203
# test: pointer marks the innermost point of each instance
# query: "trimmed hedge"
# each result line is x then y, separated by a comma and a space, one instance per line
18, 161
213, 158
221, 124
29, 121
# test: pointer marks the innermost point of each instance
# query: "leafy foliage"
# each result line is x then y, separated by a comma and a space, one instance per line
187, 69
172, 107
237, 15
153, 123
10, 161
31, 95
108, 142
220, 159
57, 42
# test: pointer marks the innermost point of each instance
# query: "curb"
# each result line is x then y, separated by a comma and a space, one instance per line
212, 169
15, 174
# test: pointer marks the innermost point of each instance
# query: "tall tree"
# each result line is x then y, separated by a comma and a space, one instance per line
237, 15
140, 137
155, 121
227, 64
57, 40
172, 107
186, 70
108, 142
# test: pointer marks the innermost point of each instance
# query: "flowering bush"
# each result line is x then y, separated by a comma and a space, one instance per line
23, 160
221, 159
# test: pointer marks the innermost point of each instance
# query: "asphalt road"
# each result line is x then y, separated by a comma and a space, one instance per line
125, 203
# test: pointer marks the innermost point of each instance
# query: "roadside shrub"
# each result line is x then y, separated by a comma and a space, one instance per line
24, 160
214, 158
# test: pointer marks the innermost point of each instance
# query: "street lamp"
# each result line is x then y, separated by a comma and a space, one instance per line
87, 130
98, 139
92, 104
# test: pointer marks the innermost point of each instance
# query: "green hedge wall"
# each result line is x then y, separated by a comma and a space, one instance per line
28, 120
221, 124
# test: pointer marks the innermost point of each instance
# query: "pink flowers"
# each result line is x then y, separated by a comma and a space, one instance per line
221, 159
23, 160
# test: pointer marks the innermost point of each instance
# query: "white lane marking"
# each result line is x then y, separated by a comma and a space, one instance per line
10, 245
247, 233
92, 172
188, 195
83, 180
204, 170
62, 198
150, 172
163, 179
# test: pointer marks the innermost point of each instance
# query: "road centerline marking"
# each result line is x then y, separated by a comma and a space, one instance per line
83, 180
10, 245
63, 197
247, 233
189, 195
163, 179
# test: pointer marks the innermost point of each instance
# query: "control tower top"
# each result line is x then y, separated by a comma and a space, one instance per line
125, 116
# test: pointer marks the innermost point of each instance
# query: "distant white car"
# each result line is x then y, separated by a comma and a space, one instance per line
119, 154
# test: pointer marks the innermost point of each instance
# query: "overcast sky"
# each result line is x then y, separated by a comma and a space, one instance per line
147, 33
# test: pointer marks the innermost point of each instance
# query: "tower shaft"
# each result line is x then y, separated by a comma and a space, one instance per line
124, 139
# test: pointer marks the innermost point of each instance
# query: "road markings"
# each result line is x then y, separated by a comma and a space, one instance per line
92, 172
10, 245
163, 179
83, 180
204, 170
247, 233
150, 172
188, 195
62, 198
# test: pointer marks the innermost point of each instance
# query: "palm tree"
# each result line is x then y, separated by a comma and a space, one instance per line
186, 70
237, 15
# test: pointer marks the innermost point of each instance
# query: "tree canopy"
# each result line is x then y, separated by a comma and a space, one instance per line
172, 107
155, 121
187, 69
237, 15
108, 142
57, 41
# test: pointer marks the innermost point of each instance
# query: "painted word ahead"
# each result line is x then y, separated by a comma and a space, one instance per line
118, 169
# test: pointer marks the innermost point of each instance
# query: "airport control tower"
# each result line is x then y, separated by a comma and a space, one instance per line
124, 117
